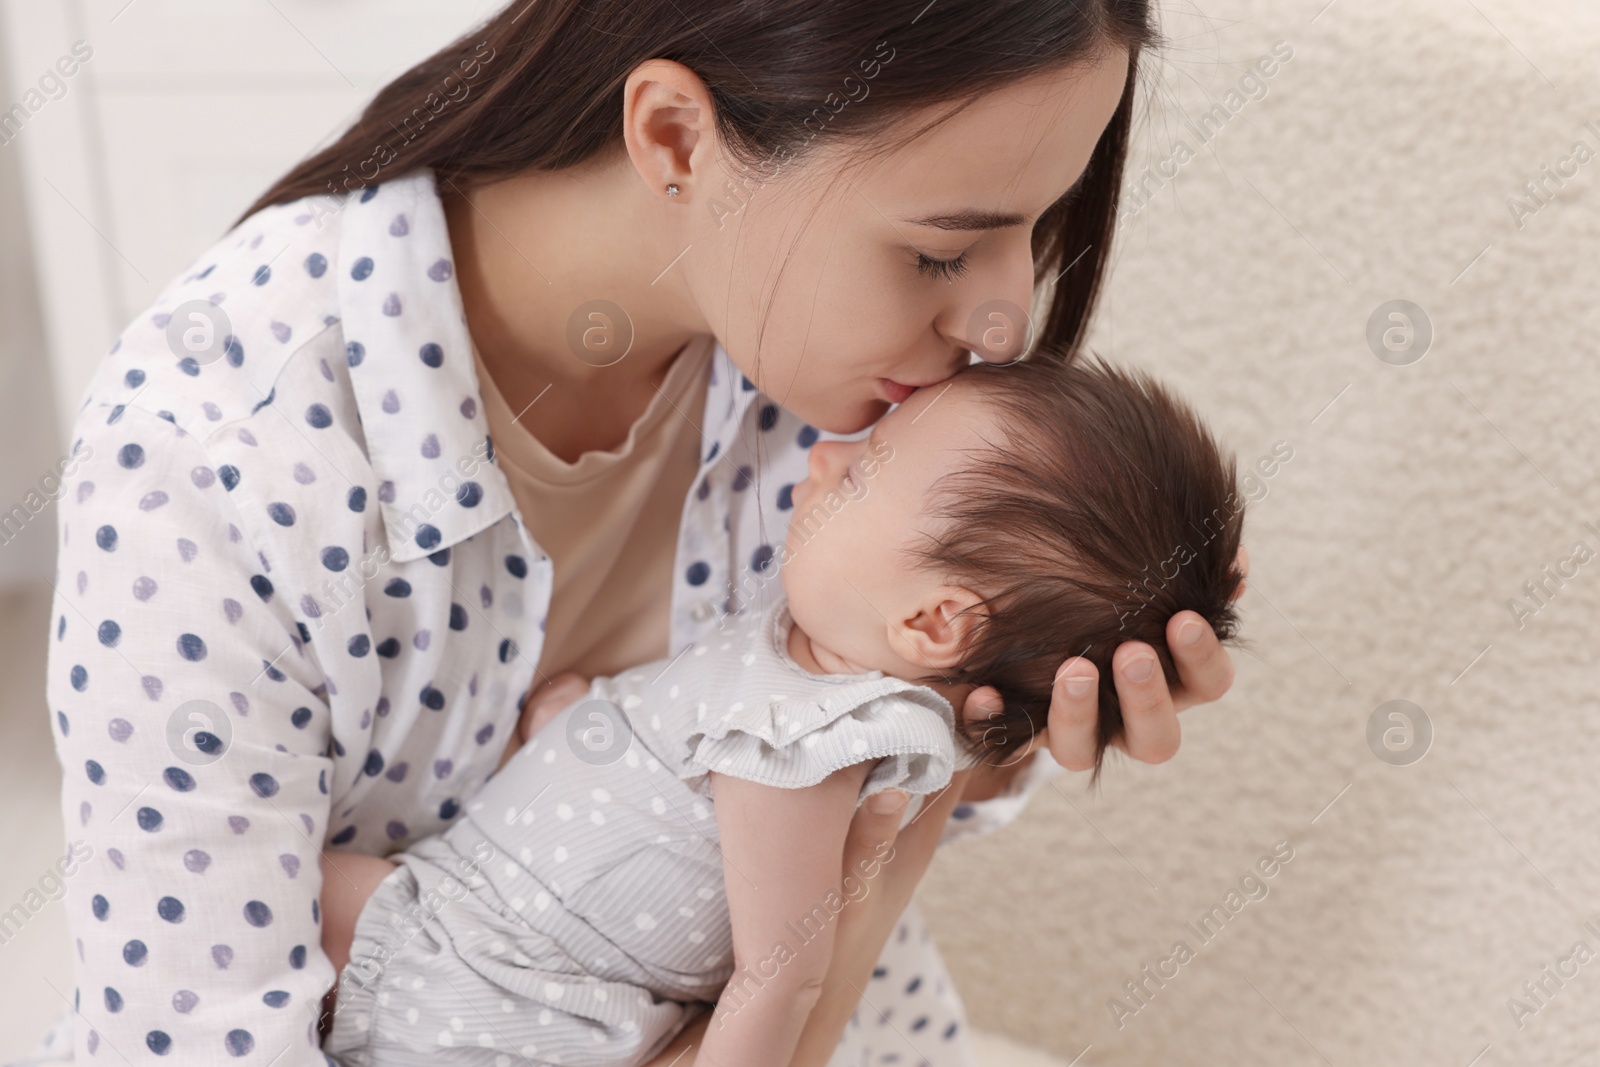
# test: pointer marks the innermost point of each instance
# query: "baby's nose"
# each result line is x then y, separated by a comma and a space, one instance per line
816, 460
827, 453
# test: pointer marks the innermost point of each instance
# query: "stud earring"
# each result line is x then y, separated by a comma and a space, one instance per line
672, 189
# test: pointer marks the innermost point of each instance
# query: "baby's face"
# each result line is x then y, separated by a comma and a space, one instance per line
849, 582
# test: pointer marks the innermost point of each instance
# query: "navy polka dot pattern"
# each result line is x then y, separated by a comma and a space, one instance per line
291, 575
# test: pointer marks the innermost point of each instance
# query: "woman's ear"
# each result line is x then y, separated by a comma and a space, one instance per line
667, 125
937, 631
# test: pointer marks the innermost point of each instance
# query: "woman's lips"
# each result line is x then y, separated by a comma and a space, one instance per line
896, 393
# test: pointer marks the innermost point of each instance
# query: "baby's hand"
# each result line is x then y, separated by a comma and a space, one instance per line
544, 702
547, 700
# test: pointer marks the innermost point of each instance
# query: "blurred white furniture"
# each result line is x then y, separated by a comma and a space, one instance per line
186, 110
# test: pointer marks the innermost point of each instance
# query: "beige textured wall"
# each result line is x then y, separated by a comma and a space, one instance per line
1378, 166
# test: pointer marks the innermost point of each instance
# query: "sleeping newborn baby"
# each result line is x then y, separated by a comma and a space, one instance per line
675, 838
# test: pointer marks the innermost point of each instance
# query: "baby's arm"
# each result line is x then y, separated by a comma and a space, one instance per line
782, 853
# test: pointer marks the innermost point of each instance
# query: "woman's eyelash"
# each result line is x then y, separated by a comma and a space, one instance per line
942, 268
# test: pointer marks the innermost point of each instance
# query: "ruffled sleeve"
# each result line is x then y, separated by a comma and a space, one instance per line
792, 743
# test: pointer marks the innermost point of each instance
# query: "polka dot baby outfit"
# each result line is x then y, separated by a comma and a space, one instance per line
577, 912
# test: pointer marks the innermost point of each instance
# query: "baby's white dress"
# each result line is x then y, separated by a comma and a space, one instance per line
576, 914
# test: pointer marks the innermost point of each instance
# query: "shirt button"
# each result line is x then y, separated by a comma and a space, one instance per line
702, 610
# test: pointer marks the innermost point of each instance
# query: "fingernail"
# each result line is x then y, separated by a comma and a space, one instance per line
1079, 685
1189, 632
887, 802
1140, 668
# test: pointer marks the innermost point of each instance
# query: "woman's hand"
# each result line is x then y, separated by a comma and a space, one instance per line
889, 862
1149, 708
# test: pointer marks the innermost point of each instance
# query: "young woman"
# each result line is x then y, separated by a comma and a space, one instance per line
510, 386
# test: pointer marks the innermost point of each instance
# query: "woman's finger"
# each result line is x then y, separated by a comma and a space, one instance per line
1149, 720
872, 832
983, 704
1205, 670
906, 853
1074, 714
921, 837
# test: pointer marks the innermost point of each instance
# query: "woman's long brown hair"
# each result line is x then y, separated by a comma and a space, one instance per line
539, 87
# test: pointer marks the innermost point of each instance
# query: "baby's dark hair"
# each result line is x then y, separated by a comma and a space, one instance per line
1105, 508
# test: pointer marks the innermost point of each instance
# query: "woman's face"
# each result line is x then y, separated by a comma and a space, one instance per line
842, 283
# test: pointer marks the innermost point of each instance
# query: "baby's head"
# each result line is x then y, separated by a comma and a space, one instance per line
995, 524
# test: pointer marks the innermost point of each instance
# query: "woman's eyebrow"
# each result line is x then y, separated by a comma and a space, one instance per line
968, 219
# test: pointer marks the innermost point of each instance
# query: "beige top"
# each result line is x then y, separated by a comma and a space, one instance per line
603, 520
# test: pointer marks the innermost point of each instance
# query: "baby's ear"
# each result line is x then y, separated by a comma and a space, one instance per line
939, 629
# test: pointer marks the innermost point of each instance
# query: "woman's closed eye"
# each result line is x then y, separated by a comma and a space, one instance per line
944, 269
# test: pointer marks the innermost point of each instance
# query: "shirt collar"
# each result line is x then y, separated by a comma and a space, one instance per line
411, 369
729, 395
415, 384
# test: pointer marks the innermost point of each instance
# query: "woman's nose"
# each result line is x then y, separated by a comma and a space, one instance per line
994, 318
1000, 331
